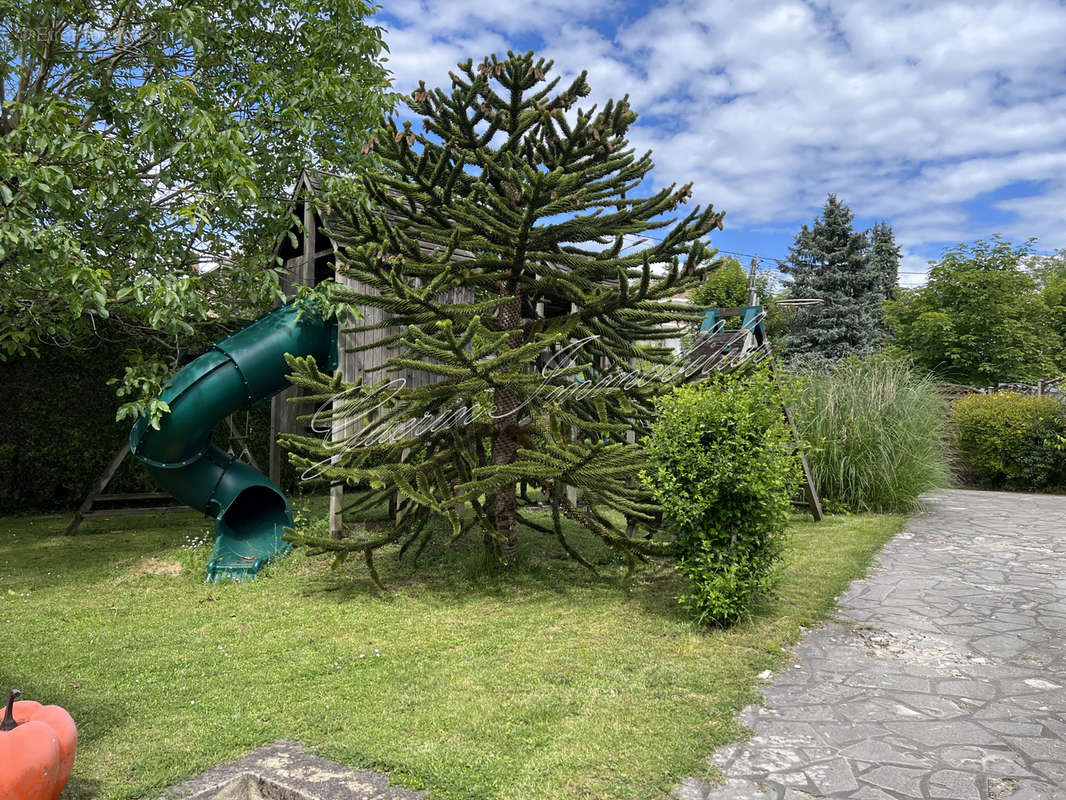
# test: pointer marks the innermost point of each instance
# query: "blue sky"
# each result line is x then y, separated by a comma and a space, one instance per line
946, 119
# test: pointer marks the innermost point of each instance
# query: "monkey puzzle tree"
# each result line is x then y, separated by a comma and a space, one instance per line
522, 206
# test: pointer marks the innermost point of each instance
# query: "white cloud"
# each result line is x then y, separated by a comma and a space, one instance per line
909, 111
1045, 212
913, 270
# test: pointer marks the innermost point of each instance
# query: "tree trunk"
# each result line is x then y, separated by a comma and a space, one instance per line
504, 445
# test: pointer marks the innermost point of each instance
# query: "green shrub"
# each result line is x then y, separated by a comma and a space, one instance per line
877, 434
721, 462
1011, 440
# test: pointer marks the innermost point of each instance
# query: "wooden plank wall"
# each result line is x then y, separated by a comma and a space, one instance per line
298, 270
363, 364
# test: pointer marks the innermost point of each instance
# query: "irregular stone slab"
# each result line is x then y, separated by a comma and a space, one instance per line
899, 780
943, 675
951, 784
832, 776
285, 771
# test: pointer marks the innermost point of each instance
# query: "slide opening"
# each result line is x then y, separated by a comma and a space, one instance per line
250, 509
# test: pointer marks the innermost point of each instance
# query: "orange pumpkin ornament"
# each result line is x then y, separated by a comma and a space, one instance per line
37, 745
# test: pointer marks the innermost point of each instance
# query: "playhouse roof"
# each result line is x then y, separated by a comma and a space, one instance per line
336, 226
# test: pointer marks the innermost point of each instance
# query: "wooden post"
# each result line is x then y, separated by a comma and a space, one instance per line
275, 449
97, 490
307, 263
307, 278
814, 503
299, 271
571, 491
339, 432
282, 420
753, 292
336, 503
631, 438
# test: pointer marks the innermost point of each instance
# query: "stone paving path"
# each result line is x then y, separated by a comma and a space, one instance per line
943, 676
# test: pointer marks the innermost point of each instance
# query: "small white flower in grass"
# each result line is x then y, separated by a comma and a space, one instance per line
362, 655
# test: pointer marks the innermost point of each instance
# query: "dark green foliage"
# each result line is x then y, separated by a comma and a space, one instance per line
980, 319
722, 464
496, 243
876, 429
885, 255
1050, 272
834, 263
1012, 441
58, 430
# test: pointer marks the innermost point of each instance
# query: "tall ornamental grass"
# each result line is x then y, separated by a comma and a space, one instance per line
877, 434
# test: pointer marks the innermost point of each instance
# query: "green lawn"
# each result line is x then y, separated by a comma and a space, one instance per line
548, 683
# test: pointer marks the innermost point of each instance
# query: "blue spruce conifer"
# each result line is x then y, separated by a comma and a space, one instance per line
835, 263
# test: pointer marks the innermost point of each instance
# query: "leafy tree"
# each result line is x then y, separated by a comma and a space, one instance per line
726, 286
141, 142
980, 319
1050, 272
833, 262
546, 366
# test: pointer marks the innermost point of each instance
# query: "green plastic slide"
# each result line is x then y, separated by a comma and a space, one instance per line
240, 371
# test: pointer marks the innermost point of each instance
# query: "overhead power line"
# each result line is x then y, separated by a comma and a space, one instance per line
760, 258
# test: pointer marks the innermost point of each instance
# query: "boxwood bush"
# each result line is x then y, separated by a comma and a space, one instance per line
1012, 441
722, 463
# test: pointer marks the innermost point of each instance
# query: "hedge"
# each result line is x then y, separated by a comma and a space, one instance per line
1011, 441
58, 429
